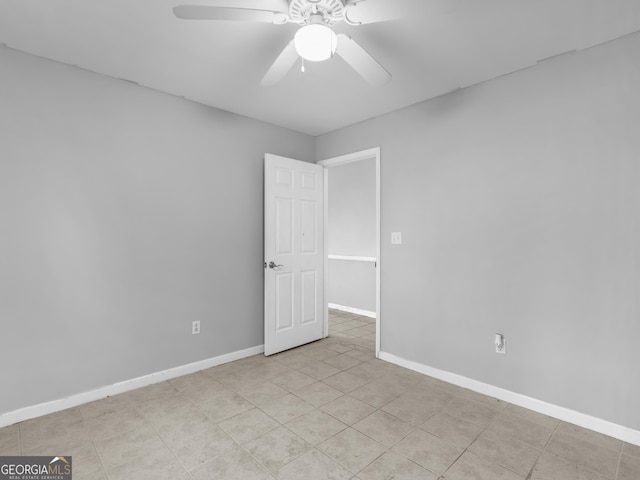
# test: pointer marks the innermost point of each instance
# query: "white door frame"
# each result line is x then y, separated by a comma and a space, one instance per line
334, 162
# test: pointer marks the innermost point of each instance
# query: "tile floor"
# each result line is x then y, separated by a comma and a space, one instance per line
328, 410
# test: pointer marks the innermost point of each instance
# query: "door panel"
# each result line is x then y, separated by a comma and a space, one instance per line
294, 280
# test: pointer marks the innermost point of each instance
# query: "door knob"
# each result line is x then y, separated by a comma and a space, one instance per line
274, 265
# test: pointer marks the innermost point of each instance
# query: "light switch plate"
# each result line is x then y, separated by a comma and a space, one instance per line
396, 238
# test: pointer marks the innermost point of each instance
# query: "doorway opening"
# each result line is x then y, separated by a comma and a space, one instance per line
352, 246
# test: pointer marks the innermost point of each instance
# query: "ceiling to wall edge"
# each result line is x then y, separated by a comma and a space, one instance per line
455, 90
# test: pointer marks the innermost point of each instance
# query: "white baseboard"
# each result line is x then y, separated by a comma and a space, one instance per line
357, 311
34, 411
605, 427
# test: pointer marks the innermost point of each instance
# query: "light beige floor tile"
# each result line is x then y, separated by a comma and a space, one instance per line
342, 362
362, 355
238, 380
505, 451
339, 348
317, 370
471, 467
226, 369
320, 353
286, 408
452, 429
9, 441
344, 381
377, 394
352, 449
150, 392
85, 461
337, 329
577, 450
125, 449
225, 406
52, 424
481, 398
7, 449
362, 331
183, 413
368, 371
194, 443
114, 423
52, 441
269, 370
590, 436
161, 407
313, 465
629, 468
531, 416
317, 394
428, 451
631, 450
97, 475
109, 404
534, 431
194, 381
293, 380
392, 466
384, 428
472, 411
414, 409
205, 392
550, 467
248, 425
294, 359
234, 465
261, 392
355, 323
277, 448
347, 409
316, 426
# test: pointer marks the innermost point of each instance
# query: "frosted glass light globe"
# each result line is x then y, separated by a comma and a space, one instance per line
315, 42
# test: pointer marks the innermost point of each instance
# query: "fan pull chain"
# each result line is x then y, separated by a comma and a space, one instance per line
302, 66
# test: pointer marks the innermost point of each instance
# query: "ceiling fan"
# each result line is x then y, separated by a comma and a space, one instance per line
315, 40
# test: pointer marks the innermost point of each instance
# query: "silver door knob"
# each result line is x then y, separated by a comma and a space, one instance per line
273, 265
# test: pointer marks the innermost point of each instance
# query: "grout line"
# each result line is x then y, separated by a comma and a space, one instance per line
619, 461
20, 448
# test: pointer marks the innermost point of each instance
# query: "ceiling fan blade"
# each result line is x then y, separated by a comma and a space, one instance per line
363, 63
363, 12
281, 66
202, 12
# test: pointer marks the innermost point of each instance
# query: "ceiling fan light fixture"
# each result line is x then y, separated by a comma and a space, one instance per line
316, 42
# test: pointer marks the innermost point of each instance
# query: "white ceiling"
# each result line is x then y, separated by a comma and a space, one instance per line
438, 46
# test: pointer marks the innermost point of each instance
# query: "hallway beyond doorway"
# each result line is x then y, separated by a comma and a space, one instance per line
353, 330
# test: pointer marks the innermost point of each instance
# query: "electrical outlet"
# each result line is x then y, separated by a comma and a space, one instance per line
195, 327
501, 344
396, 238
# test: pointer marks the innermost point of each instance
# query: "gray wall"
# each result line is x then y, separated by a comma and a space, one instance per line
352, 232
352, 209
352, 284
125, 214
519, 205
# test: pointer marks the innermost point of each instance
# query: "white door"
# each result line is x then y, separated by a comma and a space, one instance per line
293, 253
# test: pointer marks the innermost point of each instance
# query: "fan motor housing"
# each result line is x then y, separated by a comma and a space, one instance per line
301, 11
